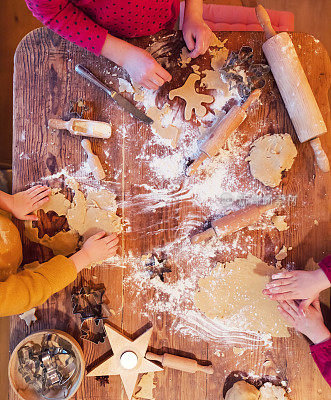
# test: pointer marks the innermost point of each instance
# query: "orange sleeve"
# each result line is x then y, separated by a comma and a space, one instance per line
27, 289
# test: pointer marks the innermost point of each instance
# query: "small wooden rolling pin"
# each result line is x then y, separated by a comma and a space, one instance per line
234, 222
180, 363
93, 161
228, 124
294, 88
83, 127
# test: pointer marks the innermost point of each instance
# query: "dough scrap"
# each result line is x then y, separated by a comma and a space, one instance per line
162, 126
242, 390
270, 155
213, 80
271, 392
29, 316
280, 223
282, 254
184, 58
193, 99
234, 289
219, 58
57, 202
62, 243
146, 384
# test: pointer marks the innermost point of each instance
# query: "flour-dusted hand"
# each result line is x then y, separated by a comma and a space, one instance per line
297, 285
197, 35
310, 323
141, 66
22, 204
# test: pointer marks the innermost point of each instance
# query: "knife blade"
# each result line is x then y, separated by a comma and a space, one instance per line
120, 100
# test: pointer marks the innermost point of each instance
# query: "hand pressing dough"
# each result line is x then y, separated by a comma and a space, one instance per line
271, 155
161, 126
234, 289
146, 384
271, 392
192, 98
57, 202
242, 391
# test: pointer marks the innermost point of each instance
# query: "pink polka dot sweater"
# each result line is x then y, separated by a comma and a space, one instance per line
87, 22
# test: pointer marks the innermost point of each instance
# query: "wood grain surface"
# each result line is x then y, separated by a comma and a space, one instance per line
44, 85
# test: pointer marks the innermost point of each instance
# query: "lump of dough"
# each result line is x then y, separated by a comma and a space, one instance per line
271, 155
242, 391
271, 392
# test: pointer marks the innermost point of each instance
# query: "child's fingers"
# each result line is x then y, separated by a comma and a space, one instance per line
278, 296
147, 84
284, 274
291, 308
280, 289
163, 73
151, 84
112, 243
39, 203
32, 189
157, 80
304, 304
98, 235
189, 40
286, 315
41, 196
278, 282
316, 303
42, 191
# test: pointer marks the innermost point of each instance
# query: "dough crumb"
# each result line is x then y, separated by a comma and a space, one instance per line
282, 254
280, 223
146, 384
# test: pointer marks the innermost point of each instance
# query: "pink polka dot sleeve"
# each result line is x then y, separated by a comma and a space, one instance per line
70, 22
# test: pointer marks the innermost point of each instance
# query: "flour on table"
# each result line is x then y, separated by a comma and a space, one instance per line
280, 223
235, 288
270, 155
162, 126
125, 86
192, 98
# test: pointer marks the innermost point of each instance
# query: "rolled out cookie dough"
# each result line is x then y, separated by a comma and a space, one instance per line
270, 155
192, 98
234, 291
242, 391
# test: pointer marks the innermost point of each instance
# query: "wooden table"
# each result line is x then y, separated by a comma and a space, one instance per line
44, 85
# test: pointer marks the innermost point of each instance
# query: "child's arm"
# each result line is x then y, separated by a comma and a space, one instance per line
196, 33
22, 204
300, 285
27, 289
74, 25
312, 325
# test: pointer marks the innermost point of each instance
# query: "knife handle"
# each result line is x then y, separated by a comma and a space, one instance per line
85, 73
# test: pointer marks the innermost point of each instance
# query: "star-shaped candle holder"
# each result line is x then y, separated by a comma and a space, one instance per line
128, 359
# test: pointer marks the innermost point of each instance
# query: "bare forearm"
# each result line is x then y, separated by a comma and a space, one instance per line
193, 8
115, 49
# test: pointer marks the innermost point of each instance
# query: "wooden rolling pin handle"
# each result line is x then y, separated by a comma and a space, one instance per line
321, 157
200, 237
264, 21
93, 160
251, 99
196, 164
58, 124
154, 357
207, 369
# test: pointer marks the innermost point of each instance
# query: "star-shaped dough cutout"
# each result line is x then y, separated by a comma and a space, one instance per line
120, 344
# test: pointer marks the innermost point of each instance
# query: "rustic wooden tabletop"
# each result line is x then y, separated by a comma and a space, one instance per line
45, 84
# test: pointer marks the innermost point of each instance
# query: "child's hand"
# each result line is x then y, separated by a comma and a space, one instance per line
303, 285
100, 246
310, 323
197, 35
144, 70
24, 203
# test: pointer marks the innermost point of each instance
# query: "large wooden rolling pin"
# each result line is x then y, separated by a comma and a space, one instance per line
234, 222
294, 88
228, 124
180, 363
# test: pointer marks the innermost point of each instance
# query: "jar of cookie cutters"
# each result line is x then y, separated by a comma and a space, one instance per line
48, 364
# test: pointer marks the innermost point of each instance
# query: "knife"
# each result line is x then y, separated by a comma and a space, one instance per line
120, 100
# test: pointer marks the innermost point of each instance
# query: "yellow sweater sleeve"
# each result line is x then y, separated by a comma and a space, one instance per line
27, 289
